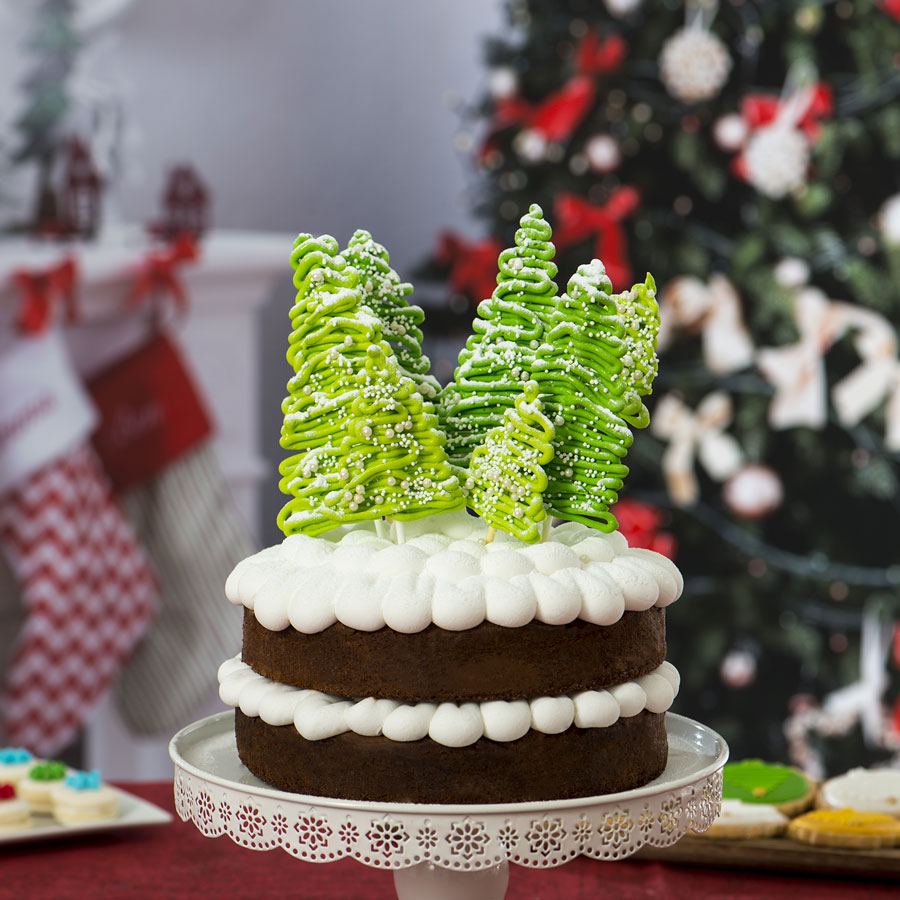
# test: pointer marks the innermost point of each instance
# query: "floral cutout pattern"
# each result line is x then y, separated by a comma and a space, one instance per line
468, 838
546, 836
250, 821
387, 837
312, 831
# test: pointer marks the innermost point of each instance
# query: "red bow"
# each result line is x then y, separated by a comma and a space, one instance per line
41, 291
472, 264
639, 523
578, 219
157, 274
891, 7
596, 57
762, 109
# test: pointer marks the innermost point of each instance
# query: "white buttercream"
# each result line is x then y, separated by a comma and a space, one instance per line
445, 574
317, 716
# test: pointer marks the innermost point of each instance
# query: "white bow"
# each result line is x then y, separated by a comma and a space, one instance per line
797, 371
700, 432
876, 378
715, 308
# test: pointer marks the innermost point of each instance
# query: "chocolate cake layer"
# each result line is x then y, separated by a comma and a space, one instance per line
488, 662
580, 762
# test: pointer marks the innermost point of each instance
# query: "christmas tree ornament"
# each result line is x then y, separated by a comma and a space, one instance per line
730, 132
530, 146
603, 153
738, 669
700, 432
503, 83
776, 160
889, 220
621, 9
498, 358
640, 524
715, 310
797, 371
791, 272
87, 591
876, 379
753, 492
694, 63
579, 220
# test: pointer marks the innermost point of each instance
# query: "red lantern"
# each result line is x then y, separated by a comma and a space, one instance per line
81, 189
185, 202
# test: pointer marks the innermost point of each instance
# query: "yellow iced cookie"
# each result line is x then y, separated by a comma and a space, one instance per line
845, 828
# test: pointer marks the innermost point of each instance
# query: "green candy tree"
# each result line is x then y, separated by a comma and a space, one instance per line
366, 441
511, 324
386, 295
597, 362
506, 476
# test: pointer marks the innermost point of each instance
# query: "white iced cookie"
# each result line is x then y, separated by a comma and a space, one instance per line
747, 820
83, 797
35, 788
865, 790
14, 811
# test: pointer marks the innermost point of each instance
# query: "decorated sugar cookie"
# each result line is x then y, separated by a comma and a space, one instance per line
14, 764
14, 812
82, 797
865, 790
753, 781
36, 786
845, 828
747, 820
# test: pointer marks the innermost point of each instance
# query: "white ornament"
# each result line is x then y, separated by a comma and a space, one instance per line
889, 220
791, 272
738, 669
530, 145
603, 153
753, 491
622, 8
777, 159
730, 132
694, 65
503, 83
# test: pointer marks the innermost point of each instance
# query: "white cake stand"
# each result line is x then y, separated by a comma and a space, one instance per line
445, 852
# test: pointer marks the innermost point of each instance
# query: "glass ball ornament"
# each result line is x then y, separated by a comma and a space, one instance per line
730, 132
777, 160
603, 153
694, 65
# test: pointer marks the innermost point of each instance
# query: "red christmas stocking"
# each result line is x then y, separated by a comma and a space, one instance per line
88, 594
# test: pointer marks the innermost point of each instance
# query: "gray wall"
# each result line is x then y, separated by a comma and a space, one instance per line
303, 115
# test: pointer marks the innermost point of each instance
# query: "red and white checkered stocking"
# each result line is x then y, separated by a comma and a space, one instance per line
88, 595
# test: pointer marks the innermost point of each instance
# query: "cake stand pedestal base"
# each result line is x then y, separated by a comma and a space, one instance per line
445, 852
427, 881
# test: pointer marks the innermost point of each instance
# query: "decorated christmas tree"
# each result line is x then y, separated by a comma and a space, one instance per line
506, 478
366, 440
748, 154
596, 363
386, 295
498, 357
55, 44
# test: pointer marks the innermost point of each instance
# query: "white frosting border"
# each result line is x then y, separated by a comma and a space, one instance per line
443, 573
865, 790
317, 716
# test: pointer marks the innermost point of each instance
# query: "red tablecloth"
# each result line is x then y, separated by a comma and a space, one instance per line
175, 861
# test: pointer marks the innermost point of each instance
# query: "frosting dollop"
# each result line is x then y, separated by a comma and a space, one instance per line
317, 716
444, 573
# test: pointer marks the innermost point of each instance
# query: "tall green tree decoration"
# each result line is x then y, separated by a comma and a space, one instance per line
506, 478
55, 43
498, 357
386, 295
597, 362
366, 440
762, 189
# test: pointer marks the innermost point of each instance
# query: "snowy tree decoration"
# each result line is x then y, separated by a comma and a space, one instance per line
694, 63
777, 158
889, 220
